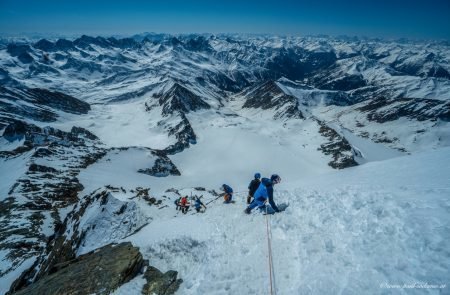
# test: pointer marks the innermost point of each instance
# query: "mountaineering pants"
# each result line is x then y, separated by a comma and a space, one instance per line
257, 203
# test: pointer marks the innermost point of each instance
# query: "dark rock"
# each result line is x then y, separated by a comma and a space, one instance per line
43, 190
338, 147
179, 99
21, 51
124, 42
85, 41
27, 109
80, 65
15, 130
63, 44
438, 72
296, 63
25, 58
184, 133
81, 132
42, 152
100, 271
160, 283
163, 167
44, 45
40, 168
344, 83
38, 104
59, 101
198, 43
17, 49
383, 110
270, 96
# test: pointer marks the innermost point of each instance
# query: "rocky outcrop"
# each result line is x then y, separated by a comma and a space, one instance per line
97, 219
180, 99
269, 96
101, 272
21, 51
184, 133
297, 63
337, 146
53, 159
37, 104
98, 272
342, 83
382, 110
160, 283
163, 167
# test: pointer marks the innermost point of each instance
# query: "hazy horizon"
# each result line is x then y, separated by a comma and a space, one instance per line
374, 19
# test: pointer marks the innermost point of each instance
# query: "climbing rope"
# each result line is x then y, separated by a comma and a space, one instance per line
269, 247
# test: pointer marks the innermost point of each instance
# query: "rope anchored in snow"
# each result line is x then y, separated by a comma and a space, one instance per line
269, 247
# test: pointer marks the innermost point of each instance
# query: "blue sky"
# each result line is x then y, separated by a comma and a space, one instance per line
428, 19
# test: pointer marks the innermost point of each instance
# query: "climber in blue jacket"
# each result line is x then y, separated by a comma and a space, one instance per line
264, 192
228, 196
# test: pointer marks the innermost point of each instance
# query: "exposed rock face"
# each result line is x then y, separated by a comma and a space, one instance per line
184, 133
95, 220
180, 99
383, 110
100, 271
163, 167
160, 283
21, 52
270, 96
338, 147
37, 104
297, 63
342, 83
49, 184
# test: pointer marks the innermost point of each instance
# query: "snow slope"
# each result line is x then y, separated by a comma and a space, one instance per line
228, 149
351, 232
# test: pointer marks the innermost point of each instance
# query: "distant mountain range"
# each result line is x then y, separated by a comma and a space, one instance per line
66, 104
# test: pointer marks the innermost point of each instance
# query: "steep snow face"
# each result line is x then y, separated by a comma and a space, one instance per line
357, 231
108, 221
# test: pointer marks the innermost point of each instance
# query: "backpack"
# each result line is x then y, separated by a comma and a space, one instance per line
253, 186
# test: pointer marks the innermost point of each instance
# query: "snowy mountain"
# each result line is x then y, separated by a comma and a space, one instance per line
101, 135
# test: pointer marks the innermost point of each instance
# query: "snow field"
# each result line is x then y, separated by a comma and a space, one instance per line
335, 237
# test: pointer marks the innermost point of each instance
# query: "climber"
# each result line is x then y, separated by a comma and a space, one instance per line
177, 203
198, 205
253, 186
264, 192
228, 196
184, 204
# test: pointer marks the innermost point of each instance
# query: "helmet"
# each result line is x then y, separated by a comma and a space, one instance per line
275, 178
257, 175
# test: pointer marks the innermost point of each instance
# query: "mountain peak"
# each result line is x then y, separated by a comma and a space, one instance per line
270, 96
178, 98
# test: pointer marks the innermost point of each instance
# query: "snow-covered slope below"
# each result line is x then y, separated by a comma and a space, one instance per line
357, 231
